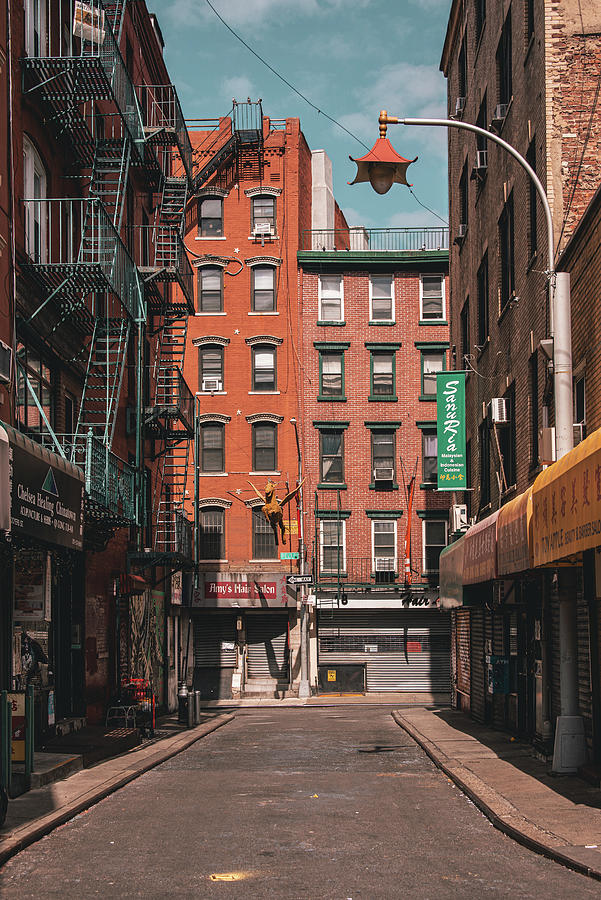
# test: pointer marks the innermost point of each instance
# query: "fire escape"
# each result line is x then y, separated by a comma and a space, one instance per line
242, 141
86, 277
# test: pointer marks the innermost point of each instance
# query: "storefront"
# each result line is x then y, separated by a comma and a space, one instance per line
402, 645
41, 566
241, 634
451, 598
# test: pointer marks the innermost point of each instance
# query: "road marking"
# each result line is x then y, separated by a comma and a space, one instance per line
229, 876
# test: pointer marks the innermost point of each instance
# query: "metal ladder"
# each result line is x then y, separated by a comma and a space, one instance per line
172, 209
115, 13
174, 472
109, 176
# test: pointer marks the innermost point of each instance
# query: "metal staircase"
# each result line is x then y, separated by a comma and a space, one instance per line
115, 13
172, 208
110, 170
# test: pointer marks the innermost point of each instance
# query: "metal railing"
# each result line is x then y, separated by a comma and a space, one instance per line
74, 248
392, 240
184, 535
174, 397
161, 247
162, 113
110, 482
356, 571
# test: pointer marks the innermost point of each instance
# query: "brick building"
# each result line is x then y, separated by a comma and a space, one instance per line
252, 201
529, 72
374, 308
95, 402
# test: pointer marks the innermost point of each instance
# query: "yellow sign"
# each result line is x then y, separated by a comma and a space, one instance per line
291, 526
17, 707
331, 674
566, 504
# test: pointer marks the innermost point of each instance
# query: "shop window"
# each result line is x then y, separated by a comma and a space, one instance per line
212, 533
432, 297
382, 375
332, 545
331, 457
429, 456
263, 289
331, 375
210, 368
210, 289
263, 214
210, 217
381, 298
35, 369
264, 545
212, 436
331, 298
264, 446
434, 533
264, 368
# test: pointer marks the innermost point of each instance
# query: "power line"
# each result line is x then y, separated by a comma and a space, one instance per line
444, 221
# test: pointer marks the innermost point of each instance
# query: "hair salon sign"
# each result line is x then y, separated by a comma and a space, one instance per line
450, 430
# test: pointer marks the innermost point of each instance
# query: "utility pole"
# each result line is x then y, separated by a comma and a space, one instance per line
304, 688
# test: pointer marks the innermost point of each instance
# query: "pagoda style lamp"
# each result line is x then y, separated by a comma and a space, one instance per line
382, 166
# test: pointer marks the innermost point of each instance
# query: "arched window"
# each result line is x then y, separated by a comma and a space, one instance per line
34, 189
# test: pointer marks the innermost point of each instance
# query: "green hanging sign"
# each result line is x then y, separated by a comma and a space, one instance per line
450, 431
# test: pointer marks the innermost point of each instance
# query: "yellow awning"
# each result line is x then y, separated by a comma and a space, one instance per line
514, 535
451, 575
480, 551
566, 504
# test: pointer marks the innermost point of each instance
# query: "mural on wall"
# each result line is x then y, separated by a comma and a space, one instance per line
147, 639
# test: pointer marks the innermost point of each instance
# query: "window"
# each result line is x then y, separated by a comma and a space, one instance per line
212, 533
70, 413
504, 69
484, 447
383, 535
533, 378
331, 375
382, 456
480, 16
263, 213
463, 202
382, 374
529, 20
331, 307
429, 456
506, 436
332, 539
506, 253
432, 297
467, 496
36, 34
381, 298
465, 334
263, 368
331, 455
210, 289
434, 540
212, 437
263, 289
482, 283
462, 68
210, 367
210, 217
532, 202
264, 545
579, 400
265, 454
482, 122
34, 187
40, 379
433, 361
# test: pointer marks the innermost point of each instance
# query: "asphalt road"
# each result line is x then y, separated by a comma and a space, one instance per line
289, 803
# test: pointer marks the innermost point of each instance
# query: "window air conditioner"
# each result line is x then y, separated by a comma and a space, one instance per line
462, 230
579, 432
499, 411
6, 359
384, 473
458, 517
481, 160
459, 105
262, 229
499, 116
384, 563
211, 384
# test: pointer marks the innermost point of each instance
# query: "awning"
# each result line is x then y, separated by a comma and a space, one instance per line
4, 476
43, 493
514, 536
451, 575
480, 551
566, 504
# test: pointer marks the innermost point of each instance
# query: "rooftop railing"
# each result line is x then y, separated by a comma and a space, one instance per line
391, 240
164, 120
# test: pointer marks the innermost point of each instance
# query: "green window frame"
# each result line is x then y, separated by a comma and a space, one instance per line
379, 354
430, 351
331, 381
331, 449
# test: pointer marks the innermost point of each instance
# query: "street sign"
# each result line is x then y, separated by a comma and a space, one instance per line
288, 555
299, 579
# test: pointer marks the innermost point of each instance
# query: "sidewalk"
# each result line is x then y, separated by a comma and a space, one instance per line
39, 811
372, 698
558, 816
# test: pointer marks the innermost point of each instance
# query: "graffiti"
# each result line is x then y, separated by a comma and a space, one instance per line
147, 638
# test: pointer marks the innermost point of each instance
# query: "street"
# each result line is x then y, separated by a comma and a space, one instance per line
334, 802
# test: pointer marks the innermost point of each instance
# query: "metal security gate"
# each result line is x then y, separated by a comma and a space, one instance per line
462, 650
267, 646
477, 664
403, 650
215, 641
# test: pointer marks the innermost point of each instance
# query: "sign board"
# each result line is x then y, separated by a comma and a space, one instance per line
370, 648
450, 431
293, 555
239, 590
32, 586
331, 674
177, 582
299, 579
17, 705
291, 526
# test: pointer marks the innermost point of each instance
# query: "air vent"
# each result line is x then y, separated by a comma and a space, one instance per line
211, 384
6, 359
499, 411
384, 473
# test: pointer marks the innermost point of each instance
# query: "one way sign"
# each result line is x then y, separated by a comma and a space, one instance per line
299, 579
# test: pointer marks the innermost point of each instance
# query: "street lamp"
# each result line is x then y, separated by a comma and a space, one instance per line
382, 171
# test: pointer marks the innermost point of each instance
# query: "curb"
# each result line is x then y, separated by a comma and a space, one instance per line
11, 846
496, 808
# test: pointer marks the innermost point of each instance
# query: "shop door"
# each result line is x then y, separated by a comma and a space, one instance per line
267, 646
214, 655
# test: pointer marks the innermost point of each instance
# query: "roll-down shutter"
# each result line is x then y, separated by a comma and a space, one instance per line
462, 649
402, 650
477, 664
267, 646
215, 641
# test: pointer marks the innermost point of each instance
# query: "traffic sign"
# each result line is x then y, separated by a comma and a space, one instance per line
289, 555
299, 579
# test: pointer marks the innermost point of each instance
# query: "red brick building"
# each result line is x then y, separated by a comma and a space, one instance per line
375, 334
251, 203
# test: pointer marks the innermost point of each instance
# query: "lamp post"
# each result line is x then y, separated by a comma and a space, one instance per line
304, 688
383, 166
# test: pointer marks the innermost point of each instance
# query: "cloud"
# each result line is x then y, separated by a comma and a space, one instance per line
354, 217
251, 13
238, 87
415, 219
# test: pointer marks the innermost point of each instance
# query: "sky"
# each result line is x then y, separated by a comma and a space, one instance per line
351, 58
